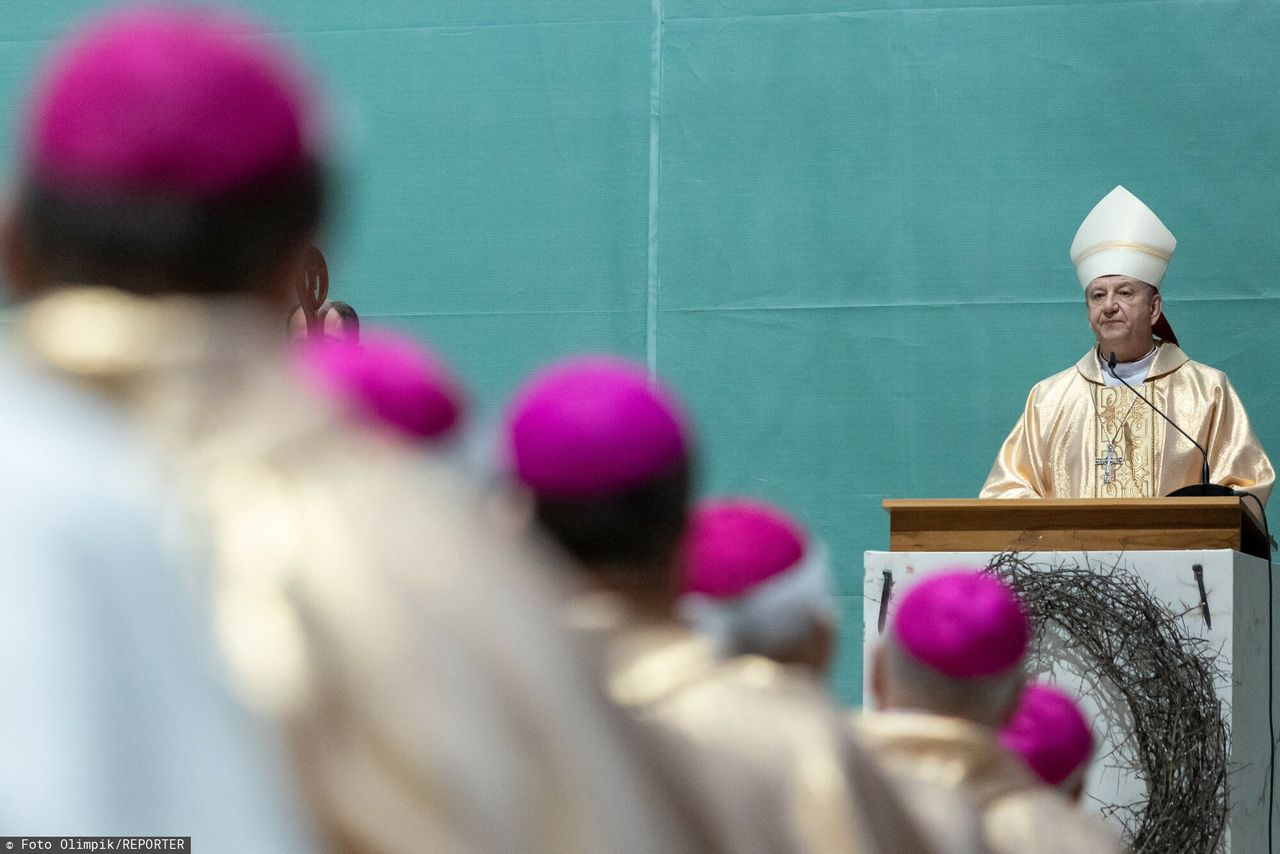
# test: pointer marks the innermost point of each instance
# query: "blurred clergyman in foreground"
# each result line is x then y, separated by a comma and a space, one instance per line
171, 178
756, 749
1050, 733
389, 382
757, 583
117, 718
947, 676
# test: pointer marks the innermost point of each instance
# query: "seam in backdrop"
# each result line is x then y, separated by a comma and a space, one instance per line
655, 163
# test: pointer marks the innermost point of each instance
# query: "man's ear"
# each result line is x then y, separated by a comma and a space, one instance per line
1157, 305
21, 273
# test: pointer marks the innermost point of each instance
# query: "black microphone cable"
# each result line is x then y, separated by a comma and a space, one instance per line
1205, 481
1271, 671
1204, 468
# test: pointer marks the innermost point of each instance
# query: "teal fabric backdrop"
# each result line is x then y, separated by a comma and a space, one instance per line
839, 228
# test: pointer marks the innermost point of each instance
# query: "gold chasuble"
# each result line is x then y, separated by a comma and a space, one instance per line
1018, 813
758, 751
1077, 438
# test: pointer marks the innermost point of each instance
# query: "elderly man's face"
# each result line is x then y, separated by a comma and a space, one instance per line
1122, 311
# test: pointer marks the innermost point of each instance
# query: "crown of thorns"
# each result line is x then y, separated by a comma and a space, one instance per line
1161, 679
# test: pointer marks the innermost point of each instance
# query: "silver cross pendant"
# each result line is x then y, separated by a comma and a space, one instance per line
1109, 462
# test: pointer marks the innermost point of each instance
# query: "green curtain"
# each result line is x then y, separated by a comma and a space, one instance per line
840, 229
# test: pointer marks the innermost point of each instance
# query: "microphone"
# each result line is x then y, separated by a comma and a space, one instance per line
1204, 487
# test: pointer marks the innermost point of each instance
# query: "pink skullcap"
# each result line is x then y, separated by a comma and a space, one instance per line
387, 378
1050, 733
735, 544
591, 426
170, 100
965, 625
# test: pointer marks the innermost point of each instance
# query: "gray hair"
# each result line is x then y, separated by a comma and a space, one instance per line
910, 684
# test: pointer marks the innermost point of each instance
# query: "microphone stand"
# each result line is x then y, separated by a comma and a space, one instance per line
1205, 488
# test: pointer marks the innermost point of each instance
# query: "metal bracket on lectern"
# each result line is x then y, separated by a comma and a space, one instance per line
886, 594
1198, 571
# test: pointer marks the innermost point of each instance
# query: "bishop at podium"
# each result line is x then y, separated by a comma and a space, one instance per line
1083, 434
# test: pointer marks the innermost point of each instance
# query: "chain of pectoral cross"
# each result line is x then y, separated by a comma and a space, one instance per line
1112, 460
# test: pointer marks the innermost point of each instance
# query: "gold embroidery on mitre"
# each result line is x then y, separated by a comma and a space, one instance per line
1155, 252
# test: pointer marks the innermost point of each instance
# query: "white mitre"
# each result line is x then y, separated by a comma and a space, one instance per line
1122, 237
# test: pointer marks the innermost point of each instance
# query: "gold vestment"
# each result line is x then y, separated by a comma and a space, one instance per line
1059, 447
760, 750
414, 658
1018, 813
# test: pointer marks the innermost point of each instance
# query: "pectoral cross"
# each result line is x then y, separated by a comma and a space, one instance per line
1109, 462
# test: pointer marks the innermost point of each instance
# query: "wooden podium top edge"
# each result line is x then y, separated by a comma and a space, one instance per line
978, 524
1050, 503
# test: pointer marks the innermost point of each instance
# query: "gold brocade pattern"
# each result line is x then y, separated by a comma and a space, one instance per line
1121, 415
412, 657
1053, 449
1018, 814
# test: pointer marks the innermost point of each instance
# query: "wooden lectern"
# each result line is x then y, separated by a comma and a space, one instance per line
1205, 559
1074, 524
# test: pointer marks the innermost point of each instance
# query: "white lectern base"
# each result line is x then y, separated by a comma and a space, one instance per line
1237, 595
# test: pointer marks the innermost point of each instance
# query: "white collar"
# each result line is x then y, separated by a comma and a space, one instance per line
1133, 373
